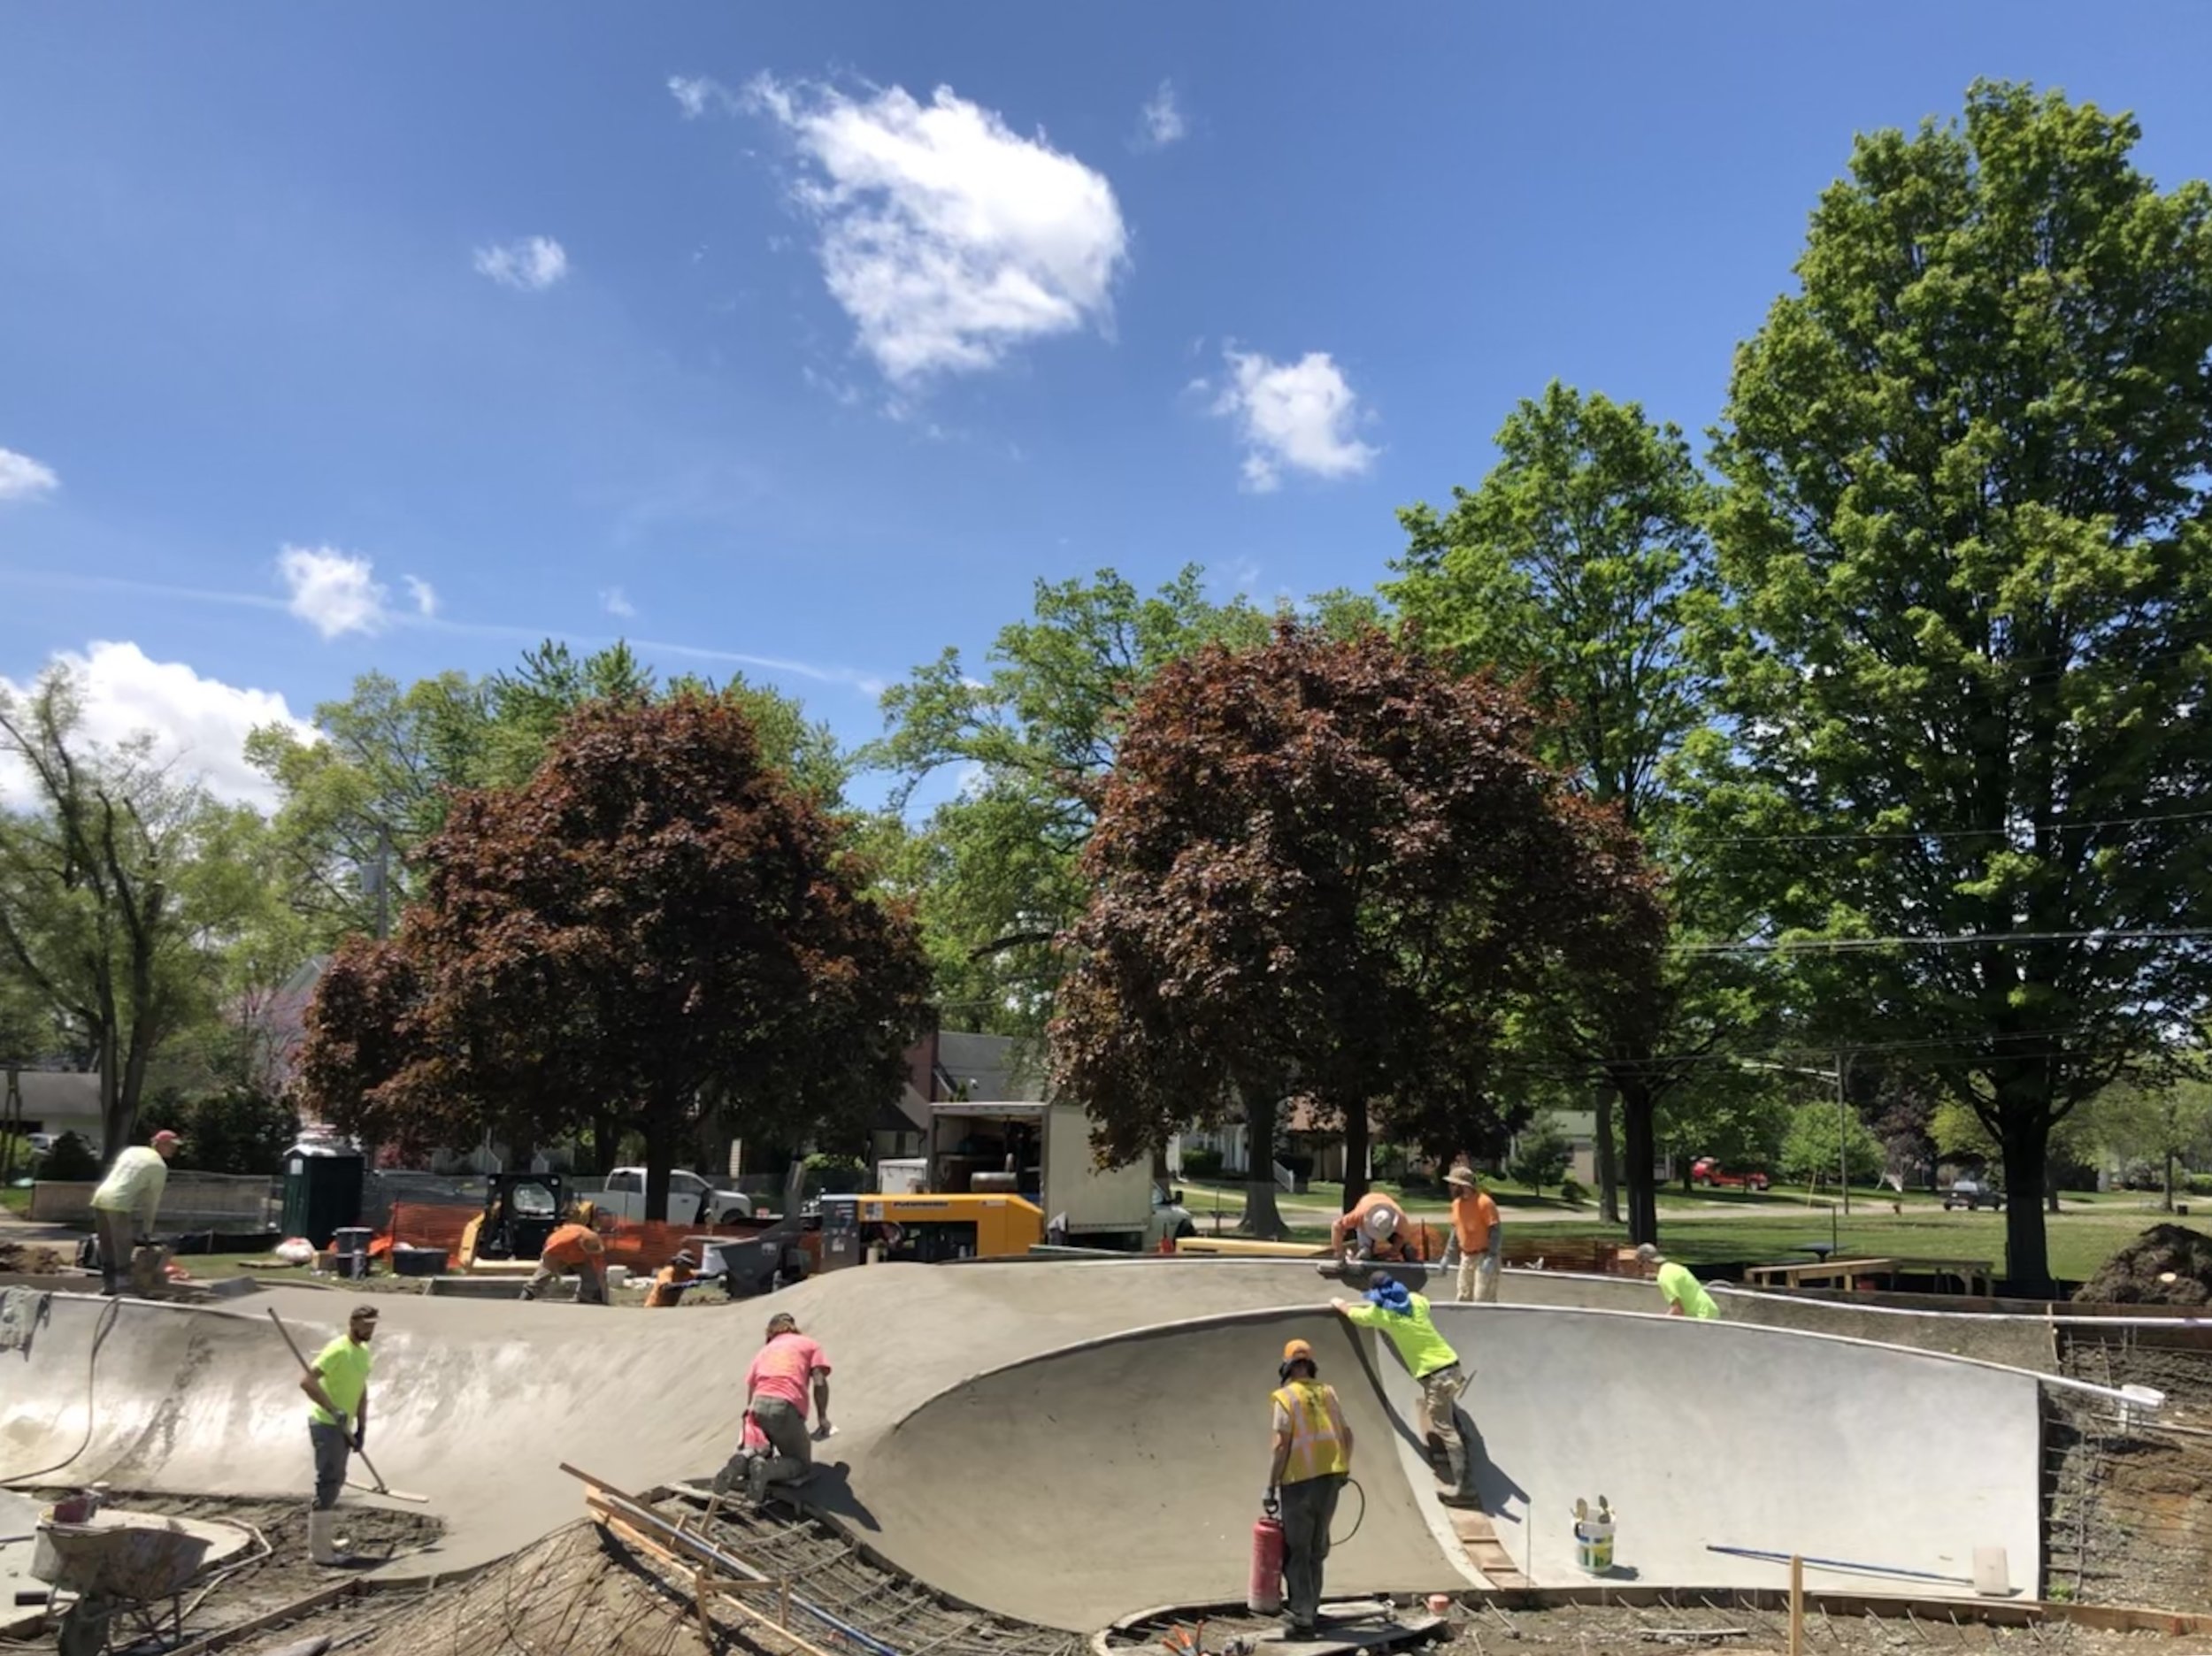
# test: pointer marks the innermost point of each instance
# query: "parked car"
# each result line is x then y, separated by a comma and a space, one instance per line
1972, 1194
1707, 1171
691, 1200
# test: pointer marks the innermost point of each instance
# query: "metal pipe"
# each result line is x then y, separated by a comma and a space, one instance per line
1837, 1564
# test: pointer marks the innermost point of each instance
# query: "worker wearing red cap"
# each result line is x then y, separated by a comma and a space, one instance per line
124, 1207
1313, 1456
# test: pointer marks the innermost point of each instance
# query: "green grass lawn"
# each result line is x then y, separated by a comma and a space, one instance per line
16, 1201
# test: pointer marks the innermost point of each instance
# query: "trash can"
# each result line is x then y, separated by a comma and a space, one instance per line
322, 1191
349, 1250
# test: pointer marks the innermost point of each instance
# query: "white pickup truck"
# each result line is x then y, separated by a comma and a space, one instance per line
691, 1200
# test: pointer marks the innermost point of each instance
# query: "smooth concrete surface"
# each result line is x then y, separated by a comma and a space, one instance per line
1028, 1437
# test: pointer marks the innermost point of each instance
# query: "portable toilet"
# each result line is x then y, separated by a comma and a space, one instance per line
322, 1190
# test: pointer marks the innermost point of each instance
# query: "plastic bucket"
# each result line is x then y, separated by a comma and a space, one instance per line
1594, 1547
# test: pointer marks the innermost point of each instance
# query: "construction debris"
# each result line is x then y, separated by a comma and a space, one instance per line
2169, 1264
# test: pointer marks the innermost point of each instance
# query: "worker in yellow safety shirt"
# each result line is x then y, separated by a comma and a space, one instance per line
670, 1282
1313, 1456
1685, 1295
124, 1203
337, 1387
1402, 1316
574, 1246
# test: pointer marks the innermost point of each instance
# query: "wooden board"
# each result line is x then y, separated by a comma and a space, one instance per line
1479, 1536
1343, 1639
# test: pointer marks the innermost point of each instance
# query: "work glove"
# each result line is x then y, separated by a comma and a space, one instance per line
360, 1436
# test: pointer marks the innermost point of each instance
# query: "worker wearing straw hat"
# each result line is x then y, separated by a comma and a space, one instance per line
1478, 1243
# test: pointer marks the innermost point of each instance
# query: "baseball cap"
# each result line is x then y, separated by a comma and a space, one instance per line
1649, 1253
166, 1137
363, 1311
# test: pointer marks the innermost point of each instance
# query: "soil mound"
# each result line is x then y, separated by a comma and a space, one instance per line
2169, 1264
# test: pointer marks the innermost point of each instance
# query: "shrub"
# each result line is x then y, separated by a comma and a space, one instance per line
1540, 1154
1201, 1164
1571, 1191
70, 1159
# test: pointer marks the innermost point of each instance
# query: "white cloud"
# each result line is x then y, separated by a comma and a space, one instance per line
423, 593
699, 94
22, 478
199, 723
616, 603
530, 266
1298, 415
1161, 122
334, 592
948, 238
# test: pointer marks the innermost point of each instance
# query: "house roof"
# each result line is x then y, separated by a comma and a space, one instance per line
989, 1066
59, 1092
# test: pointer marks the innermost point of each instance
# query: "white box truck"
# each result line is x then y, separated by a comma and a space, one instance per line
1042, 1151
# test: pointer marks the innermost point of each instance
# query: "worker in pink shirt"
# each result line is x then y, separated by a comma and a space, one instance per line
775, 1447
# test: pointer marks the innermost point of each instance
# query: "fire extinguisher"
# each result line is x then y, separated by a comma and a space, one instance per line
1264, 1595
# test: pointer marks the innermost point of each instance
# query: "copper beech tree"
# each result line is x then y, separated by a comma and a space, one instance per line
655, 922
1332, 868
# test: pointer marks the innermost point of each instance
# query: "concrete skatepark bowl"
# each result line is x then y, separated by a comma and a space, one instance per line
1070, 1442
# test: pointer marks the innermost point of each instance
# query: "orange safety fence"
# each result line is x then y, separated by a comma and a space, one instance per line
636, 1244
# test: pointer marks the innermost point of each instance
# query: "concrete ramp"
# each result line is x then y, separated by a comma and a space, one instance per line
1127, 1473
1068, 1444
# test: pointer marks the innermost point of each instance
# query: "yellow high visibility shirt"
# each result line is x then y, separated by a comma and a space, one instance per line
1308, 1410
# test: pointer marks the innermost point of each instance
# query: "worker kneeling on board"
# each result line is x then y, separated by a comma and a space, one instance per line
574, 1246
1685, 1295
1313, 1457
773, 1447
1402, 1316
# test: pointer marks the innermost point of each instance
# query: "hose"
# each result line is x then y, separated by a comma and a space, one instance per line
100, 1332
1337, 1541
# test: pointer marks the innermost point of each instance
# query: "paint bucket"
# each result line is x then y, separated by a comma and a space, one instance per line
1594, 1547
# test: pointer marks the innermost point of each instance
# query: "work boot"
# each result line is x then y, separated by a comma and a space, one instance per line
731, 1475
757, 1481
322, 1540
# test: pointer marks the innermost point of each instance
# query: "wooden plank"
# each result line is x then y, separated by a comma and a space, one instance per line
1479, 1538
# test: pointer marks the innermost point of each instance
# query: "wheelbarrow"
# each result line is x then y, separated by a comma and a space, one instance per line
136, 1570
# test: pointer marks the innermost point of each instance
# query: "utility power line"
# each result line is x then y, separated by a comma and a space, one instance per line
2023, 832
1959, 939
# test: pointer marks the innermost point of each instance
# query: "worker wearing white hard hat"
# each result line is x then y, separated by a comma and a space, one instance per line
1368, 1229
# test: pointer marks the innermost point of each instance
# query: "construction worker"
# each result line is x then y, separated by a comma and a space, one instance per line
1685, 1295
786, 1370
1477, 1241
1313, 1456
1394, 1311
337, 1387
575, 1247
1368, 1229
670, 1282
124, 1205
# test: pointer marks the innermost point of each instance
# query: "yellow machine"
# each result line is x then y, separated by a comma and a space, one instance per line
927, 1229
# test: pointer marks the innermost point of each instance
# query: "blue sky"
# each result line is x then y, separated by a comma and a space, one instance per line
801, 341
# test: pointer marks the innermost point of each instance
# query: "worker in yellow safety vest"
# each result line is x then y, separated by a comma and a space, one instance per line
1313, 1456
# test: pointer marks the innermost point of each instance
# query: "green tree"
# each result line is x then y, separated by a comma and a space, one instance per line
1824, 1138
235, 1130
120, 886
659, 924
1965, 540
2166, 1121
1576, 567
1329, 867
1540, 1154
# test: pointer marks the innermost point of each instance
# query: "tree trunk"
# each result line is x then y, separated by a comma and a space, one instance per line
1356, 1152
2027, 1154
115, 1121
1262, 1218
1609, 1165
2170, 1178
606, 1142
660, 1162
1641, 1149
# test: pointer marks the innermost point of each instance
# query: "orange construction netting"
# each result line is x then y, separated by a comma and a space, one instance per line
640, 1246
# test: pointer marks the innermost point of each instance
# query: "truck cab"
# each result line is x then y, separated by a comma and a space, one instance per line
691, 1200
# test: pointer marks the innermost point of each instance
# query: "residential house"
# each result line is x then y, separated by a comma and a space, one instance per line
953, 1066
55, 1102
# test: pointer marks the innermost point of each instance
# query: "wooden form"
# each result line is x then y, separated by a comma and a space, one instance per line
1973, 1274
615, 1513
1479, 1536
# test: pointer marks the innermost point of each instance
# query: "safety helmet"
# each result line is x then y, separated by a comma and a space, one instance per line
1381, 1222
1298, 1351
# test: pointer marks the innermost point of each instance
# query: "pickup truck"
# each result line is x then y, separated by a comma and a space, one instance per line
691, 1200
1707, 1171
1972, 1195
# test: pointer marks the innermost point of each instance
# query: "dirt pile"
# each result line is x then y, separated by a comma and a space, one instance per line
32, 1258
2169, 1264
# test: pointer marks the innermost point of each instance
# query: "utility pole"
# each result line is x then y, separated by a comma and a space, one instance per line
1843, 1126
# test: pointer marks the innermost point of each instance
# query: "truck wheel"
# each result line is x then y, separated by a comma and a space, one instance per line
1186, 1229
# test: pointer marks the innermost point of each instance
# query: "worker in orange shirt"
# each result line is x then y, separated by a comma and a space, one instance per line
574, 1246
670, 1282
1478, 1236
1376, 1230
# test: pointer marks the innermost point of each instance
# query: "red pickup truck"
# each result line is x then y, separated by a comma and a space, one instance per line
1708, 1172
